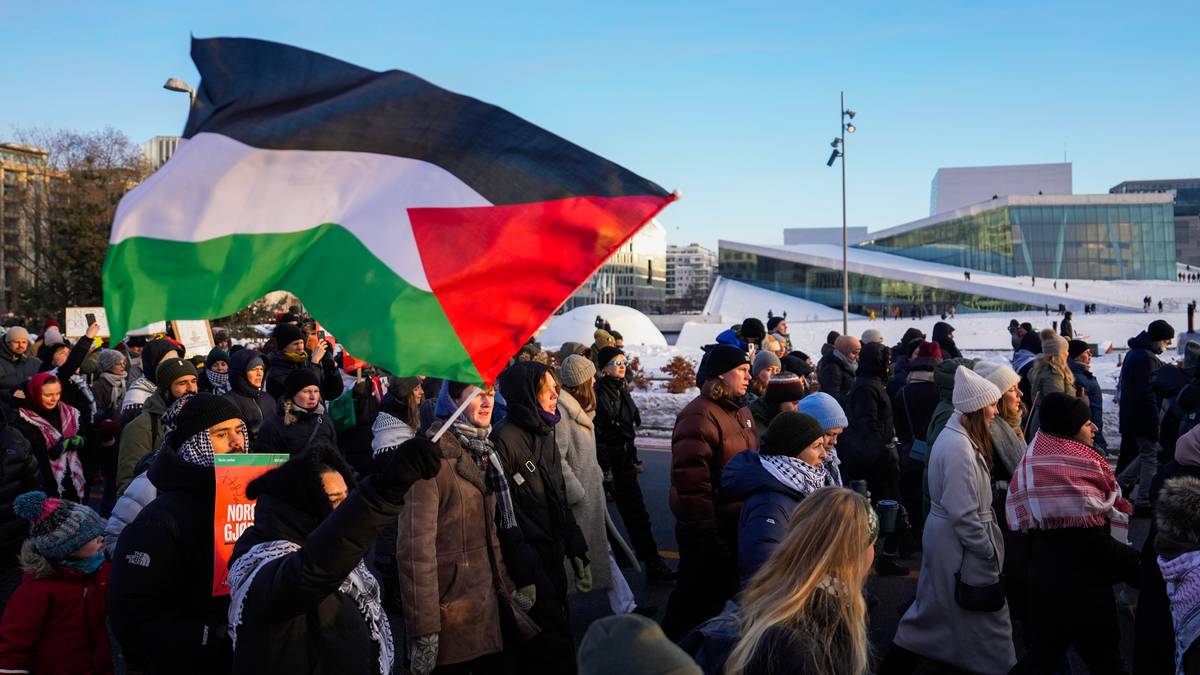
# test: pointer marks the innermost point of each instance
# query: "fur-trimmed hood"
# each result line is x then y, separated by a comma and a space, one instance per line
1178, 517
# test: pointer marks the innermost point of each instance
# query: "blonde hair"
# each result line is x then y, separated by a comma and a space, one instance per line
824, 549
715, 389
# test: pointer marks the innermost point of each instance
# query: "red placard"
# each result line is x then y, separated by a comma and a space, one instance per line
233, 512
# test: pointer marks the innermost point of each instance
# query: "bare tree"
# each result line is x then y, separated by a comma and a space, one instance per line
67, 230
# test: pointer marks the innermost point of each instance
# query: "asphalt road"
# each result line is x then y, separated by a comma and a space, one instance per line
888, 596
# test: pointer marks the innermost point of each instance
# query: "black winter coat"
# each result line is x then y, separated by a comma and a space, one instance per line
279, 367
525, 444
293, 429
617, 419
18, 475
941, 335
1138, 407
835, 377
784, 650
295, 620
867, 447
255, 404
922, 397
160, 600
14, 371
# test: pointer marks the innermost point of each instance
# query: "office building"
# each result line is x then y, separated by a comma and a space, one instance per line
158, 150
955, 188
25, 177
634, 276
690, 273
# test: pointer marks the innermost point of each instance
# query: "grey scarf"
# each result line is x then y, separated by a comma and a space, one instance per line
851, 365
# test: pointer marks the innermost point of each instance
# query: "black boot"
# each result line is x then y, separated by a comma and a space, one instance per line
657, 571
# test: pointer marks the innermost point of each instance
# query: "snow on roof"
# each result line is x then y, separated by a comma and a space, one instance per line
579, 324
732, 301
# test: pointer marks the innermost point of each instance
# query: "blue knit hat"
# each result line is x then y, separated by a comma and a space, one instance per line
57, 527
825, 408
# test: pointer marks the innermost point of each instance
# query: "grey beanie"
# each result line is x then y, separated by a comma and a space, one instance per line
764, 360
630, 643
576, 370
15, 333
109, 358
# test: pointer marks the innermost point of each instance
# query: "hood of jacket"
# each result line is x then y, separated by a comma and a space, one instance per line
237, 372
730, 337
943, 376
942, 331
169, 473
744, 475
1143, 341
1031, 343
874, 361
519, 384
152, 355
291, 499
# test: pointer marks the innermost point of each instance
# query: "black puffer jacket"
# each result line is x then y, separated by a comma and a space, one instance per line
160, 592
279, 367
293, 429
617, 419
525, 444
18, 474
867, 448
1139, 404
15, 369
295, 619
255, 404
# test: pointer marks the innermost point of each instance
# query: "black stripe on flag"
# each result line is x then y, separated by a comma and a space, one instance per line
278, 97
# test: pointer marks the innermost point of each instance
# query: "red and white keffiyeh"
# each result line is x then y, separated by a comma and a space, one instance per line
1062, 483
68, 464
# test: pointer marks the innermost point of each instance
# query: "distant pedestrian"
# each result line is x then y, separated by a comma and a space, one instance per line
1065, 329
1160, 306
1067, 286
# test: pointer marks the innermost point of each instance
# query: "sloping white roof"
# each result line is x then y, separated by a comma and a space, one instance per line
730, 301
579, 324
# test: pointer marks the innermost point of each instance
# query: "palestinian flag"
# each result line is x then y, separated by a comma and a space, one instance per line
432, 232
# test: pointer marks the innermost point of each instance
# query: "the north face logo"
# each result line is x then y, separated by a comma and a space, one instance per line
138, 558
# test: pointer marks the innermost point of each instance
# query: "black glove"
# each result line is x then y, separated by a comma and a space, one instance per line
416, 459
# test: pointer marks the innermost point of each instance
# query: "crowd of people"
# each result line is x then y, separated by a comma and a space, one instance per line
444, 527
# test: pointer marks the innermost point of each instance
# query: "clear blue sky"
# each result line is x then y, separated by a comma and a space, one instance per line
732, 103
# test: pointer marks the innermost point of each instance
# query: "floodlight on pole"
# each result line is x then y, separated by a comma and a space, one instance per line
839, 151
176, 84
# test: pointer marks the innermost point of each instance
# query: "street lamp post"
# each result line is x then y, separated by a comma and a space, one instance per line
176, 84
839, 150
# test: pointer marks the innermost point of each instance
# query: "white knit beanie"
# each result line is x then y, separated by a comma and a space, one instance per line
972, 392
872, 335
998, 374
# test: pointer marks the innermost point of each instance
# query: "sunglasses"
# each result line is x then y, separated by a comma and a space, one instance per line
619, 363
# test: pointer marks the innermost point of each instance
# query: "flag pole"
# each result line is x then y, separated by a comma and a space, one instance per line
457, 413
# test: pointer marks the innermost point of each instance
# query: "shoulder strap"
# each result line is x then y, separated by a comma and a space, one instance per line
313, 434
907, 414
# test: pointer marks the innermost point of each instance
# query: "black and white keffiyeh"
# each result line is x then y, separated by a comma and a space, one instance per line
361, 586
219, 381
198, 449
796, 473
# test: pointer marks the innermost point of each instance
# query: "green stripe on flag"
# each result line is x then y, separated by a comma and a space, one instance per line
377, 314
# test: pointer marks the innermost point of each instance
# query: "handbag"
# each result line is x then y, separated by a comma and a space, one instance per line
989, 598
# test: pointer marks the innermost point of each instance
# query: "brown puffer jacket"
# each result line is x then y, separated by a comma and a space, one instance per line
446, 574
707, 434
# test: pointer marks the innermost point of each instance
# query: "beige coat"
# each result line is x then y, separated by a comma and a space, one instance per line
575, 437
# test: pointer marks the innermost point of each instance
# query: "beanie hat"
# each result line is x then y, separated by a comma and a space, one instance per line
607, 354
217, 354
172, 369
569, 348
288, 317
773, 323
753, 329
998, 374
871, 335
825, 409
201, 411
602, 338
790, 433
15, 333
764, 360
972, 392
576, 370
1063, 414
299, 379
57, 527
929, 350
912, 334
52, 336
784, 387
109, 358
1053, 344
1177, 513
401, 387
1160, 330
1077, 347
631, 643
723, 358
796, 364
285, 334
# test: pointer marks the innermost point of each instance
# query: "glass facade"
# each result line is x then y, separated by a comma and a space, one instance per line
867, 293
1076, 241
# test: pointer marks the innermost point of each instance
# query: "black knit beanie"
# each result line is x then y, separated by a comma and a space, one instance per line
607, 354
1160, 330
723, 358
216, 355
299, 379
1063, 414
171, 370
285, 334
790, 433
1076, 347
202, 411
774, 322
753, 329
